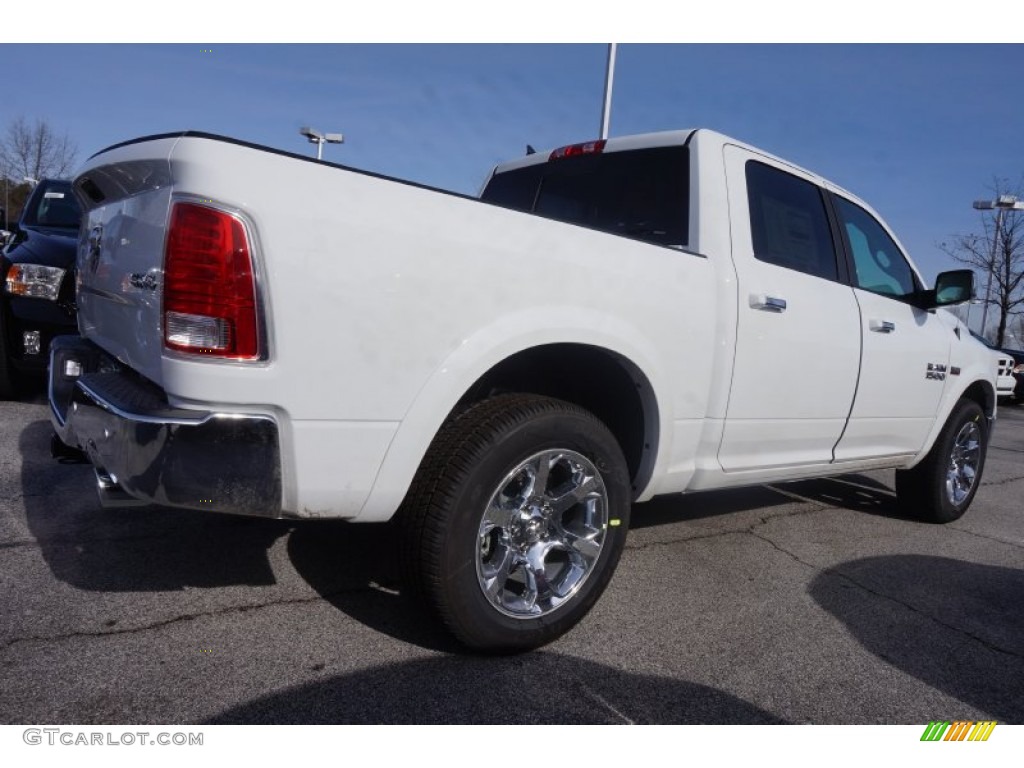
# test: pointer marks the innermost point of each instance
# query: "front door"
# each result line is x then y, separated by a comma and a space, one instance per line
906, 349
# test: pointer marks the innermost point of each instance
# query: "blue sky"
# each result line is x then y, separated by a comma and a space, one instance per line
919, 131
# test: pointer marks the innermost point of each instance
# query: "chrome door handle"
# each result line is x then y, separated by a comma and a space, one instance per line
767, 303
881, 326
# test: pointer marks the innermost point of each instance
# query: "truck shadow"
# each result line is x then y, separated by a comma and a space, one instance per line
857, 493
538, 688
158, 549
354, 567
955, 625
134, 549
676, 508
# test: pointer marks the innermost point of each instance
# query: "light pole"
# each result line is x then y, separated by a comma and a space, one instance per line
315, 137
1002, 204
609, 77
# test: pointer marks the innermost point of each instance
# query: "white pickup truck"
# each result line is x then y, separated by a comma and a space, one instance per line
270, 335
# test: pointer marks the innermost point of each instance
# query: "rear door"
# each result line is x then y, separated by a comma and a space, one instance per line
798, 327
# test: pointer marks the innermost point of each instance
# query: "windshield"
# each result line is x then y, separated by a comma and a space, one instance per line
640, 193
52, 205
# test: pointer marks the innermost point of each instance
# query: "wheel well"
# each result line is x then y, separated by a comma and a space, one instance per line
606, 384
983, 395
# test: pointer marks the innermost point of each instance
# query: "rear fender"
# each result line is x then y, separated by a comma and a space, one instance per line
478, 355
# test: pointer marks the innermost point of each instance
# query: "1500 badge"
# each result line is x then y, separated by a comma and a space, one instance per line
936, 371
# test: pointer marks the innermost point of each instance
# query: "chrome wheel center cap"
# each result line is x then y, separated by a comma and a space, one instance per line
531, 527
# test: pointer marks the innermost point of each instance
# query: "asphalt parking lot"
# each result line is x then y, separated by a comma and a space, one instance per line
812, 602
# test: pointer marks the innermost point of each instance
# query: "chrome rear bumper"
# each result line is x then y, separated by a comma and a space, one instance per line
147, 451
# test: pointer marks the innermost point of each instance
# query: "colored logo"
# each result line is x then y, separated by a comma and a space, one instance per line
960, 730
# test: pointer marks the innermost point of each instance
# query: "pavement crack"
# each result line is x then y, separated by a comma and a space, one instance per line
1004, 448
227, 611
997, 483
764, 519
1015, 544
606, 704
680, 540
883, 596
58, 542
793, 556
913, 609
18, 543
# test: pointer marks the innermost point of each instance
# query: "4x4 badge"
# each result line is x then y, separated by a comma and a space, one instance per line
145, 282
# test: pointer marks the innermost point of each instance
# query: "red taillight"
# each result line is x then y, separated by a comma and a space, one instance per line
209, 292
573, 150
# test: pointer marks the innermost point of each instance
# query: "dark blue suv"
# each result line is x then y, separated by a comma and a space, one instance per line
37, 283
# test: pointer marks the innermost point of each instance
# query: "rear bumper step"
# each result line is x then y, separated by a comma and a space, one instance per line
146, 451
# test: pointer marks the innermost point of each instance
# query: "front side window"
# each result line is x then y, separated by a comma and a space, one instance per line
788, 222
879, 265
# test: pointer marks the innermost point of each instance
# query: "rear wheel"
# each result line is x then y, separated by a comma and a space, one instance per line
516, 521
941, 488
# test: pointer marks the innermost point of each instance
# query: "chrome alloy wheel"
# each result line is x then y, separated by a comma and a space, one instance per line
964, 461
542, 533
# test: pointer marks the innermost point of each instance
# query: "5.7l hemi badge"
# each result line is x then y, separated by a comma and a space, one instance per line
936, 371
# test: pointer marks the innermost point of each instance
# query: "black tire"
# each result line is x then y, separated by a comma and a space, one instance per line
9, 383
941, 488
528, 498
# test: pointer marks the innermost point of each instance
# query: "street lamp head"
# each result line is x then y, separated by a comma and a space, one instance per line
315, 137
1005, 202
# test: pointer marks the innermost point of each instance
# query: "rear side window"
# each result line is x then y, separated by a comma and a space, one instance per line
641, 193
515, 189
788, 222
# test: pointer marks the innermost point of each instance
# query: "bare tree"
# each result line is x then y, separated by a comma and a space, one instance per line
1016, 331
36, 150
999, 252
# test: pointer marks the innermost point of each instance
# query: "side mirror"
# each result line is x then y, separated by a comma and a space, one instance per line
954, 287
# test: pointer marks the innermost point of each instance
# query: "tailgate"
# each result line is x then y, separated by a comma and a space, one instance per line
126, 193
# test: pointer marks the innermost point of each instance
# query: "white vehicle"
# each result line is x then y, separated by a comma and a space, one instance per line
1006, 382
266, 334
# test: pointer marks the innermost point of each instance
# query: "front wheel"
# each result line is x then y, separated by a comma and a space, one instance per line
941, 488
516, 521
